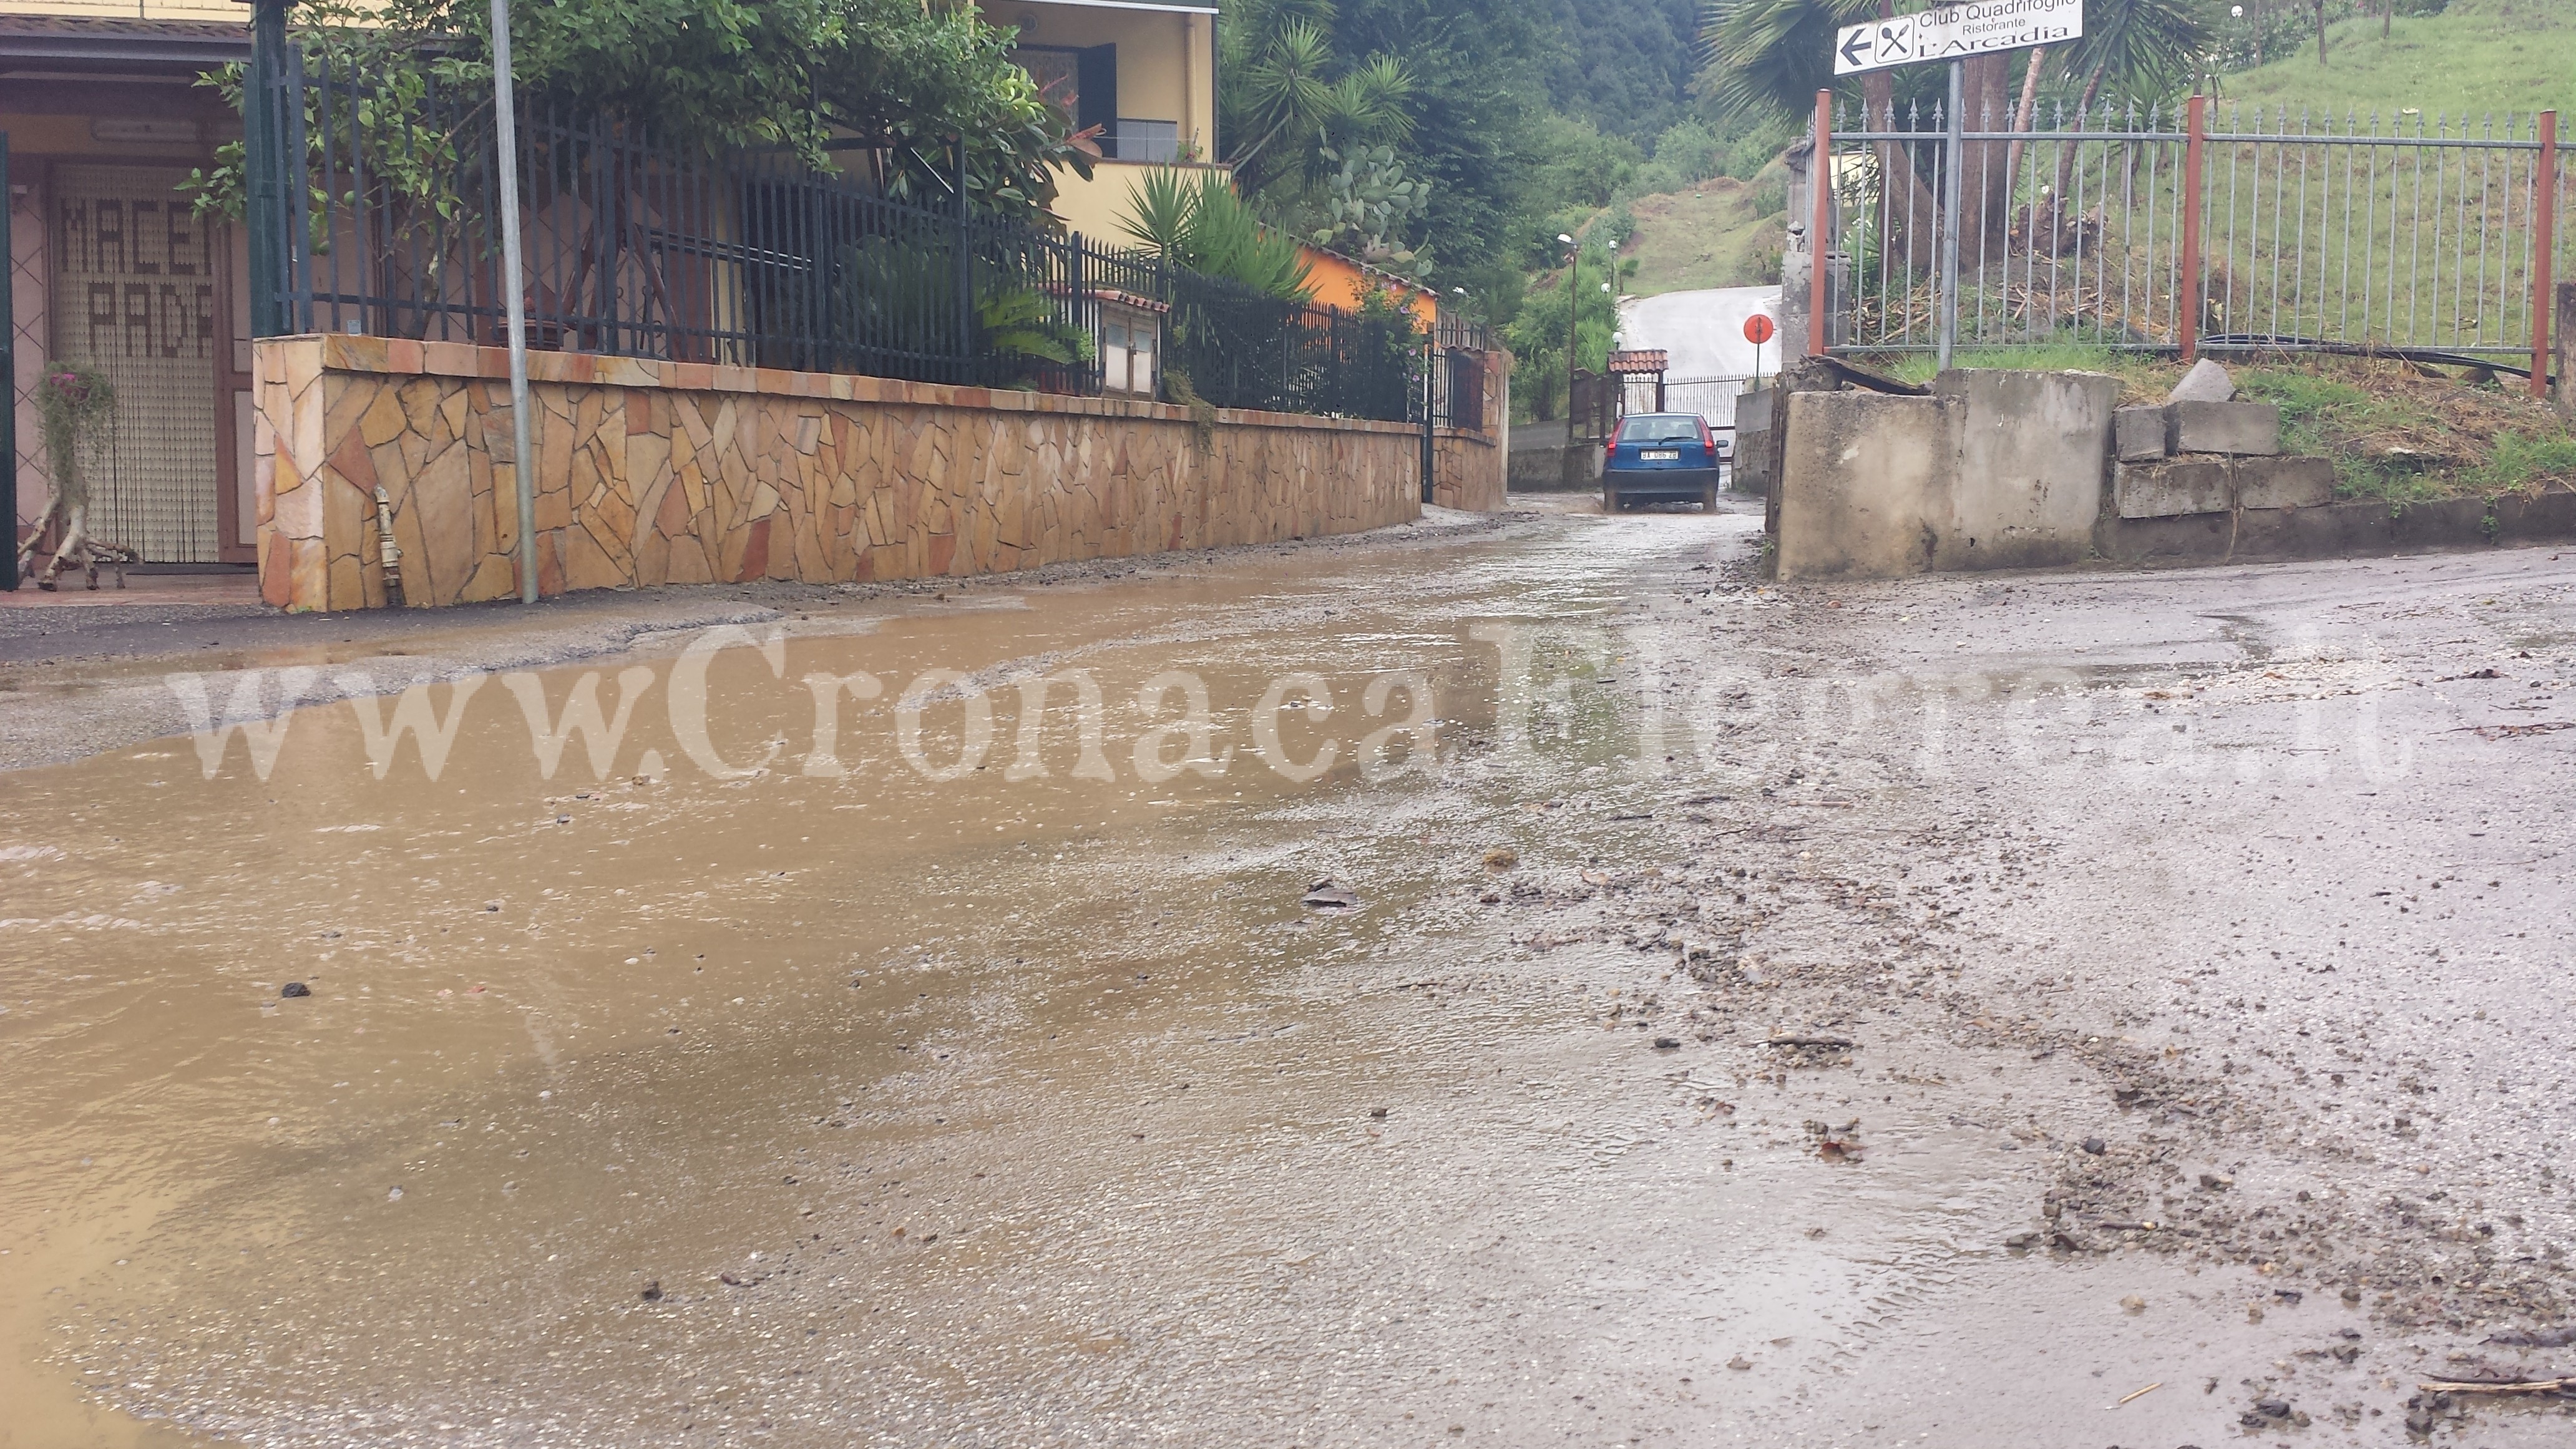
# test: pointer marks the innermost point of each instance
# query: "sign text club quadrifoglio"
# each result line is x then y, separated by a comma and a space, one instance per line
1950, 32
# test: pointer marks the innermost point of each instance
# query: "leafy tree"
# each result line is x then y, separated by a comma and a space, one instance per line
1290, 93
905, 78
1625, 65
1477, 97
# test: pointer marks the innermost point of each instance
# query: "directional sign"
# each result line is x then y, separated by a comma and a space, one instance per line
1954, 32
1758, 329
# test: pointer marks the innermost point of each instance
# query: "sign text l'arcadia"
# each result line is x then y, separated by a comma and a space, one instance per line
1952, 32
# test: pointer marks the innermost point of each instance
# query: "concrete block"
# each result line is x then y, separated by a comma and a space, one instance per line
2206, 382
2170, 490
2028, 485
2245, 430
1753, 410
2297, 482
1864, 483
2139, 434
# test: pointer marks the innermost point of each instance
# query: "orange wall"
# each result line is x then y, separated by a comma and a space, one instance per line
1338, 282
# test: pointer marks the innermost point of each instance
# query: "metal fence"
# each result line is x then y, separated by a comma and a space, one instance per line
2196, 227
388, 223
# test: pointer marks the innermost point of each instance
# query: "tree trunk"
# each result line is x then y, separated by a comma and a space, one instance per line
2022, 117
1985, 198
2319, 6
2056, 209
1907, 206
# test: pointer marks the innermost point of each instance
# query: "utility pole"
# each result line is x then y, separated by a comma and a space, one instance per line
523, 463
8, 390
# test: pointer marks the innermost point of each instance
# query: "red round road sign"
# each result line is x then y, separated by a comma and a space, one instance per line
1758, 328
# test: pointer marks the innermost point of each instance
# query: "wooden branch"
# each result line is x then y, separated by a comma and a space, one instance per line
2472, 1386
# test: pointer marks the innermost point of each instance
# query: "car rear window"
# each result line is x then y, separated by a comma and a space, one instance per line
1661, 428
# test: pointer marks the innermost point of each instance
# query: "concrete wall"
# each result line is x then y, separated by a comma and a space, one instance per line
2032, 448
1865, 483
1539, 463
652, 473
1994, 469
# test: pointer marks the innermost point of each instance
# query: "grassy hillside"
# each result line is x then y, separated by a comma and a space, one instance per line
1720, 233
2478, 57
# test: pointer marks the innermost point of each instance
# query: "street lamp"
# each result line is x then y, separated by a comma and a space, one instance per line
1573, 280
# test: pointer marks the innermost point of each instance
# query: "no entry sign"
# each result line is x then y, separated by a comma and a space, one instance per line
1954, 32
1758, 328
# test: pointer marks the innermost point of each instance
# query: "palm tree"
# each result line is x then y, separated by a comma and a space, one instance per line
2151, 48
1289, 94
1770, 57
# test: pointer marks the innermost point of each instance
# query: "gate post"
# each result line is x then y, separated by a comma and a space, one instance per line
1820, 180
2544, 242
8, 390
2187, 330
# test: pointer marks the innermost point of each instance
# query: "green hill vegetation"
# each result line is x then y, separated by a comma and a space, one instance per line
1721, 232
2475, 58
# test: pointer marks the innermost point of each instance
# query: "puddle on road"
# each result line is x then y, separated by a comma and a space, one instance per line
1006, 1108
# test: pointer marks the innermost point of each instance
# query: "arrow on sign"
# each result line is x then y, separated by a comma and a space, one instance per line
1855, 51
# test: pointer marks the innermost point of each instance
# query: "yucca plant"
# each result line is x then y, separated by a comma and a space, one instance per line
1202, 225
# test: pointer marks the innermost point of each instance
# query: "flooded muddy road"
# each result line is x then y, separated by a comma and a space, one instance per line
1515, 984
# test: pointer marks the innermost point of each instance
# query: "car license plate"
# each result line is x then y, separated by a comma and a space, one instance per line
1661, 455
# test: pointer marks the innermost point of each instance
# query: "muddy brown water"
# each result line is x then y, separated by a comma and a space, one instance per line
653, 1107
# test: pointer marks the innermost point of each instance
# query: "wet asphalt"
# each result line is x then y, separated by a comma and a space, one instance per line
2098, 1008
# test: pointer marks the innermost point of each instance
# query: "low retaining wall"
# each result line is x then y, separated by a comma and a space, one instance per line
2001, 469
2338, 530
1989, 470
653, 472
1470, 470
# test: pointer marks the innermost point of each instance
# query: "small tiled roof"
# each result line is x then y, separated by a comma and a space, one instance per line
1643, 359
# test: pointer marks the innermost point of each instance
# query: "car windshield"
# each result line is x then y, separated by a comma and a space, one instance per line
1661, 428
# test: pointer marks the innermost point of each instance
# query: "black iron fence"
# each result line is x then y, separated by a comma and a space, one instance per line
388, 222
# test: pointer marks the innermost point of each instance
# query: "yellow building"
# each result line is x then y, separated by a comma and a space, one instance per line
1142, 71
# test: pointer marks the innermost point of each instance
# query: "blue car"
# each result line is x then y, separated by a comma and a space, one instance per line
1663, 458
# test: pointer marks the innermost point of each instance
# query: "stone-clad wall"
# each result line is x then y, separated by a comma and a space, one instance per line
653, 473
1472, 470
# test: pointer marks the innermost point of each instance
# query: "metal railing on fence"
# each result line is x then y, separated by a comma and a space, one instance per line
2195, 227
387, 223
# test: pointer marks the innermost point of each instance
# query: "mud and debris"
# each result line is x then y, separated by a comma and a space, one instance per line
2116, 1009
